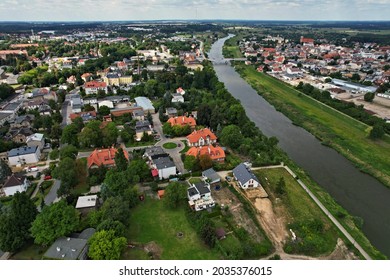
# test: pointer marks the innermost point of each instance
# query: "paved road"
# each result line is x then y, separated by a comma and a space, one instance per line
52, 195
64, 112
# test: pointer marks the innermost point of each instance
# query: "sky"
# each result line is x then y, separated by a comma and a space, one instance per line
107, 10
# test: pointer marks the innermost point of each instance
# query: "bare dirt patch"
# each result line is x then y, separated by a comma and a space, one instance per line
225, 197
153, 249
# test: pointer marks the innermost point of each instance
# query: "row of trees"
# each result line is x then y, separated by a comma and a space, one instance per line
356, 111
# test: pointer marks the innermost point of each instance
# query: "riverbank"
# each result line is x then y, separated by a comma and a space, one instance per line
344, 134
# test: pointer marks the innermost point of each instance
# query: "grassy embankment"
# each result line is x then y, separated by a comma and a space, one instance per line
334, 129
231, 49
313, 116
317, 234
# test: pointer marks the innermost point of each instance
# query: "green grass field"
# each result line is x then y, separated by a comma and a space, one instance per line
299, 207
30, 252
343, 133
152, 221
169, 145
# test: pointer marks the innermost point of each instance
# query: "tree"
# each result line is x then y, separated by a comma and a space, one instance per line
69, 151
355, 77
115, 183
175, 194
369, 96
103, 110
115, 208
55, 220
109, 224
5, 171
231, 136
204, 115
105, 245
139, 168
191, 163
66, 172
69, 135
15, 223
79, 123
377, 131
121, 161
110, 134
91, 136
205, 162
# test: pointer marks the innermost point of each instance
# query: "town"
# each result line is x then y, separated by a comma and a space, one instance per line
121, 136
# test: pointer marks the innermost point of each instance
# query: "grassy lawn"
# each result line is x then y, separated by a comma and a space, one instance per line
151, 221
134, 254
169, 145
300, 209
140, 144
346, 135
186, 147
195, 180
30, 252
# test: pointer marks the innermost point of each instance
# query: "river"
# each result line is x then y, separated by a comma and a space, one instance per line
360, 194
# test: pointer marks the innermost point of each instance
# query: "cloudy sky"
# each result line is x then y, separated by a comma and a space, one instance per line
87, 10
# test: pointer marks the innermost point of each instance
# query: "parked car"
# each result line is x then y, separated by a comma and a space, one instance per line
33, 168
47, 177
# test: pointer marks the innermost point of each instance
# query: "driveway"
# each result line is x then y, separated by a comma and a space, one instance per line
52, 195
175, 153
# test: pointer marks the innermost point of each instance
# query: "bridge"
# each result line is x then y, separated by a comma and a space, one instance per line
226, 60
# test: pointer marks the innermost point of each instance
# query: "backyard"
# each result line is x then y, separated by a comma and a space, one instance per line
167, 231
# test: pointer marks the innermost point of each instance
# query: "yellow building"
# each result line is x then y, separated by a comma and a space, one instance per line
114, 79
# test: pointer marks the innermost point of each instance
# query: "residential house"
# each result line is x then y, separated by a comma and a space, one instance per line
177, 98
12, 108
93, 87
211, 176
19, 135
160, 163
23, 121
183, 121
217, 154
15, 183
5, 117
37, 139
70, 248
86, 116
88, 203
142, 127
86, 77
24, 155
171, 112
180, 91
104, 157
39, 104
76, 103
126, 110
199, 196
138, 115
201, 137
245, 177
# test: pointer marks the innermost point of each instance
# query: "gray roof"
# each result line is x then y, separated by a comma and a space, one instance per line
67, 248
163, 162
144, 102
22, 151
243, 174
28, 117
154, 151
4, 115
118, 98
138, 113
202, 187
192, 191
211, 175
171, 110
12, 106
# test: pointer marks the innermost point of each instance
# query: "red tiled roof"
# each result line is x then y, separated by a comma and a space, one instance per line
215, 153
75, 115
182, 121
95, 84
104, 157
203, 133
154, 172
307, 40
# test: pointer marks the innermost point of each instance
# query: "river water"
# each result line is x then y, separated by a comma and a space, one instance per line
361, 194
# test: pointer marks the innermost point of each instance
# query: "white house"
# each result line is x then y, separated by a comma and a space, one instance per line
244, 177
165, 167
37, 139
15, 183
199, 196
24, 155
177, 98
93, 87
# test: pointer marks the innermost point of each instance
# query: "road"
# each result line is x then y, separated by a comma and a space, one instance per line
52, 195
65, 111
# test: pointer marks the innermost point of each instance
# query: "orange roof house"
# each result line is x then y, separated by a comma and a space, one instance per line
201, 138
182, 121
306, 41
217, 154
104, 157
